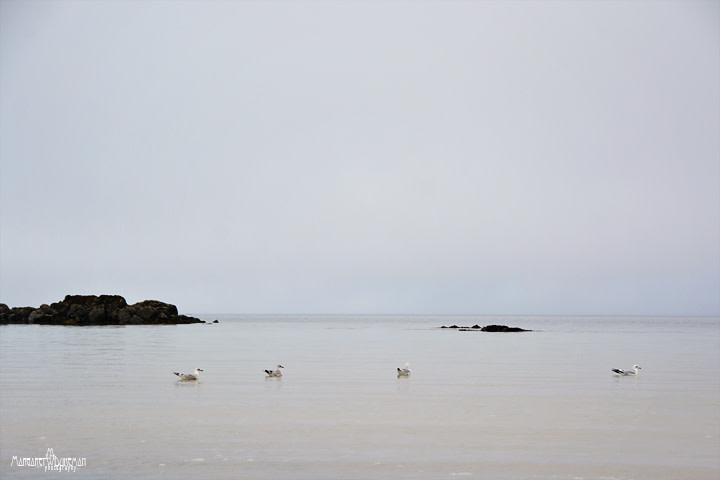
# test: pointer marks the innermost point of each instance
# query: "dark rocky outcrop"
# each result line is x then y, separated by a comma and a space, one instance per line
96, 310
502, 328
488, 328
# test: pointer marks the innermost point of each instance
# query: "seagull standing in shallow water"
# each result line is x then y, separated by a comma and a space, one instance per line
276, 373
188, 377
404, 372
635, 371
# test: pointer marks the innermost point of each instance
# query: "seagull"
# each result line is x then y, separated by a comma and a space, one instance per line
188, 377
276, 373
635, 371
404, 372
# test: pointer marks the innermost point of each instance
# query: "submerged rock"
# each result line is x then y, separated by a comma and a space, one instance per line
96, 310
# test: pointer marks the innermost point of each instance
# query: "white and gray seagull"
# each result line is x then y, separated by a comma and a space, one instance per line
275, 373
635, 371
189, 377
404, 372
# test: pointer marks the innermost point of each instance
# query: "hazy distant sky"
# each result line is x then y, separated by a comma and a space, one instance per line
460, 157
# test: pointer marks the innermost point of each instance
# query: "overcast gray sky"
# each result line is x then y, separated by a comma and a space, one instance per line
460, 157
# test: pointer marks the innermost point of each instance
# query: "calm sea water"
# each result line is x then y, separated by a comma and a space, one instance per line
535, 405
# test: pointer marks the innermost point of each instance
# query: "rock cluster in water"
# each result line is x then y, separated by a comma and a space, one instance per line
96, 310
488, 328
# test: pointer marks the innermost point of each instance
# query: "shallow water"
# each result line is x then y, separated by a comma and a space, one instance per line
533, 405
